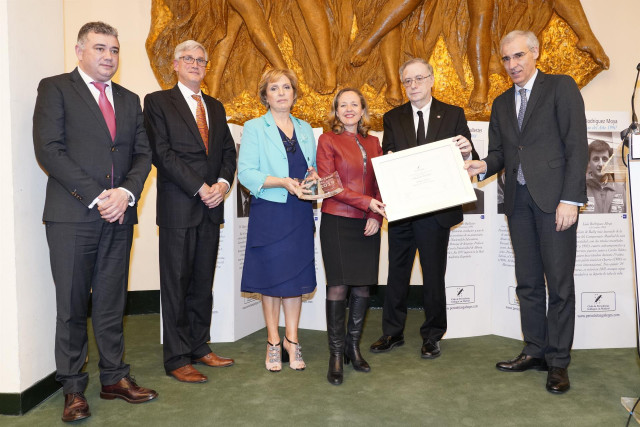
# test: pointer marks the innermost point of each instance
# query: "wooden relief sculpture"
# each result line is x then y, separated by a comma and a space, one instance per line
361, 43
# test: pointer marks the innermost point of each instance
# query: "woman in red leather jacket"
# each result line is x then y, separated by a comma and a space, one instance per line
350, 226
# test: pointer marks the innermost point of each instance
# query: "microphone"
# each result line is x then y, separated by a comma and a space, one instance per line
624, 135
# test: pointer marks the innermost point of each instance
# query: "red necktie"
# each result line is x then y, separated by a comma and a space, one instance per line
107, 113
106, 108
201, 121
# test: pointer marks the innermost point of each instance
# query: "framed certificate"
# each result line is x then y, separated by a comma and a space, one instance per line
423, 179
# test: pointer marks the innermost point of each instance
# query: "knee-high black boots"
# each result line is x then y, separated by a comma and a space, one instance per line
357, 310
335, 331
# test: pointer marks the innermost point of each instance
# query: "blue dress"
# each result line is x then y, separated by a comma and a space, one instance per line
279, 256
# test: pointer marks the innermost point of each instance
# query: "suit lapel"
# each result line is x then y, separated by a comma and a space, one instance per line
536, 92
81, 87
436, 115
303, 142
511, 108
185, 113
119, 107
406, 123
271, 130
210, 113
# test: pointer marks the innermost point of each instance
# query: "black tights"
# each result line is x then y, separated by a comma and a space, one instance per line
339, 292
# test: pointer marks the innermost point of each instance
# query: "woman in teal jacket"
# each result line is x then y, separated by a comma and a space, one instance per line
277, 151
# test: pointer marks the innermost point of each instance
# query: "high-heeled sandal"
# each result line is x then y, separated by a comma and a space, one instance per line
296, 362
273, 362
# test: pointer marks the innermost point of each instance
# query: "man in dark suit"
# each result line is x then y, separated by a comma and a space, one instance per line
97, 164
196, 160
422, 120
538, 134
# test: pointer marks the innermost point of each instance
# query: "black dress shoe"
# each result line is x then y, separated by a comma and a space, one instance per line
557, 380
522, 363
430, 350
386, 343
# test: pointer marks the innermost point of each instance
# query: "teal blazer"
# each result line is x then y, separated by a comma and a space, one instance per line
262, 154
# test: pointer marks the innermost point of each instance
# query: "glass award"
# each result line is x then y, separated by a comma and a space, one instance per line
322, 188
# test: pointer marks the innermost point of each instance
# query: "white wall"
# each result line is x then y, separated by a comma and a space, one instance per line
9, 376
27, 295
615, 25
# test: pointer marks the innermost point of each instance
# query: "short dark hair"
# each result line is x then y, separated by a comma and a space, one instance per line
334, 122
97, 27
598, 145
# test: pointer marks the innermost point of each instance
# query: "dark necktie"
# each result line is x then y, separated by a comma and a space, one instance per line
107, 112
201, 121
421, 134
521, 111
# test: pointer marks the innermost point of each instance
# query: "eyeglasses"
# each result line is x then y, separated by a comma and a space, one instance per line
418, 79
516, 57
190, 59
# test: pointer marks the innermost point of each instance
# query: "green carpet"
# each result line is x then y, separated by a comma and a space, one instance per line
461, 388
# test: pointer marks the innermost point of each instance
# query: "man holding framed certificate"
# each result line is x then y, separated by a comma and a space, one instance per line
422, 120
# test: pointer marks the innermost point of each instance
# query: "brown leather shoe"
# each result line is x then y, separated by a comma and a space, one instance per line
75, 407
126, 389
188, 374
214, 361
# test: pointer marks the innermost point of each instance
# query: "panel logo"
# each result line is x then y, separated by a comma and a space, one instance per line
598, 301
461, 295
513, 298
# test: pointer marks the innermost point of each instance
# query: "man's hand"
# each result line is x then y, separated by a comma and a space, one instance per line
371, 227
566, 216
214, 195
112, 204
464, 145
475, 167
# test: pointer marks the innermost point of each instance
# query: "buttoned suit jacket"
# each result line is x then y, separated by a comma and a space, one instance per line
552, 145
181, 159
73, 145
445, 121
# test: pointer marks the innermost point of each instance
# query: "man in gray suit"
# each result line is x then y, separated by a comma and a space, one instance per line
538, 134
89, 138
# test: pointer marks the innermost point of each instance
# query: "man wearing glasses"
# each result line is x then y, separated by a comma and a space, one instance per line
195, 156
538, 134
422, 120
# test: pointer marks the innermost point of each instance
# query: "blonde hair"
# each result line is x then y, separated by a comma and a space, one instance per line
273, 75
334, 122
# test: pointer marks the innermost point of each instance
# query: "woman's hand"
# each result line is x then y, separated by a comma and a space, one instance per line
371, 227
311, 173
292, 186
378, 207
